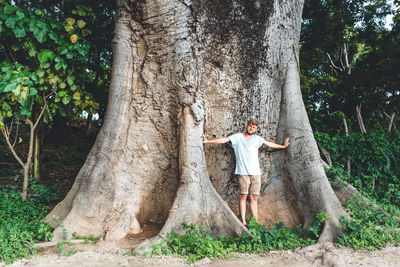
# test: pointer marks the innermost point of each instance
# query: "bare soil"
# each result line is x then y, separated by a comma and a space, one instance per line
111, 254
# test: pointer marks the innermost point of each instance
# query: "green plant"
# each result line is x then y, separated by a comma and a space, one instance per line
371, 226
43, 194
86, 239
65, 247
197, 242
315, 226
20, 226
60, 224
375, 168
62, 246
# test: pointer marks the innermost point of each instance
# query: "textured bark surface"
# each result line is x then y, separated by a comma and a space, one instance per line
181, 68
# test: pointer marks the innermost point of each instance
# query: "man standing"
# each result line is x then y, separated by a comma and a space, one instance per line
246, 147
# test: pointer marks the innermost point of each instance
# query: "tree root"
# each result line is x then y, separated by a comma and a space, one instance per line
197, 202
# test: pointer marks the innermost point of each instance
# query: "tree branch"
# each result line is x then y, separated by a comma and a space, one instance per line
360, 119
333, 64
12, 148
41, 114
391, 121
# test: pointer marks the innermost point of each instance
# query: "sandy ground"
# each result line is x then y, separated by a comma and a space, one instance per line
106, 254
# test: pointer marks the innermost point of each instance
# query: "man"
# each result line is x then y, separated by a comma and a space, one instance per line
246, 147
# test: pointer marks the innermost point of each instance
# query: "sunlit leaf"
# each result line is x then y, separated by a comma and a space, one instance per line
73, 38
70, 21
81, 23
76, 96
65, 101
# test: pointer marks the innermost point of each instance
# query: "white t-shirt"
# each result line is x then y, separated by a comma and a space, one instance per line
246, 153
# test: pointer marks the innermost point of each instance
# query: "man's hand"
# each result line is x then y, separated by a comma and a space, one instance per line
204, 139
286, 143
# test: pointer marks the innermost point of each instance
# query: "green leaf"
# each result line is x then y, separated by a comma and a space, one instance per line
86, 32
70, 80
8, 10
62, 93
62, 85
40, 73
32, 52
39, 12
53, 36
9, 87
11, 21
76, 96
81, 23
45, 55
32, 92
64, 51
40, 35
65, 101
20, 14
58, 66
6, 106
19, 32
25, 112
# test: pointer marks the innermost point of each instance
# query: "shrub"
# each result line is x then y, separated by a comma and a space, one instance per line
375, 161
20, 226
197, 242
371, 226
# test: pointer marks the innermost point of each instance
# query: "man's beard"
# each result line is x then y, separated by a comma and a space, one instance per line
247, 132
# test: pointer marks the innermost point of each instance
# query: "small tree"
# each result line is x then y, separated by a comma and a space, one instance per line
43, 72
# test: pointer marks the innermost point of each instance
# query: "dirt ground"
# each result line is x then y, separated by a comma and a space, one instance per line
109, 254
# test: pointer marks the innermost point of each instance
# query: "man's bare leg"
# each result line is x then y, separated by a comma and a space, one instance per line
242, 208
254, 206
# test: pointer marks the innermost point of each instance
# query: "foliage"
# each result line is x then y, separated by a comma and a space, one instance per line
371, 226
375, 158
20, 226
197, 242
42, 62
66, 248
348, 57
86, 239
42, 194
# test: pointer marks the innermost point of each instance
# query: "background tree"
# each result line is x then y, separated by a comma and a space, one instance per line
350, 75
337, 36
40, 73
180, 68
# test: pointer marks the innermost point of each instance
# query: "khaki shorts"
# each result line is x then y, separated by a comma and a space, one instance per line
249, 184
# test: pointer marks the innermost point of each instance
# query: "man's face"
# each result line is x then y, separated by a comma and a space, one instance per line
251, 129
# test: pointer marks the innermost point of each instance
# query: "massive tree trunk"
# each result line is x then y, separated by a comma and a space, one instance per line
181, 68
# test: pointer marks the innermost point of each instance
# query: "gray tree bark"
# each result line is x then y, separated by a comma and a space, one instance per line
181, 68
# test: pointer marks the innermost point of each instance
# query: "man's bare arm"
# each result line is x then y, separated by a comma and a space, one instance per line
221, 140
273, 145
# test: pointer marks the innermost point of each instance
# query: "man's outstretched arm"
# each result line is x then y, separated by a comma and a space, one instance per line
273, 145
221, 140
